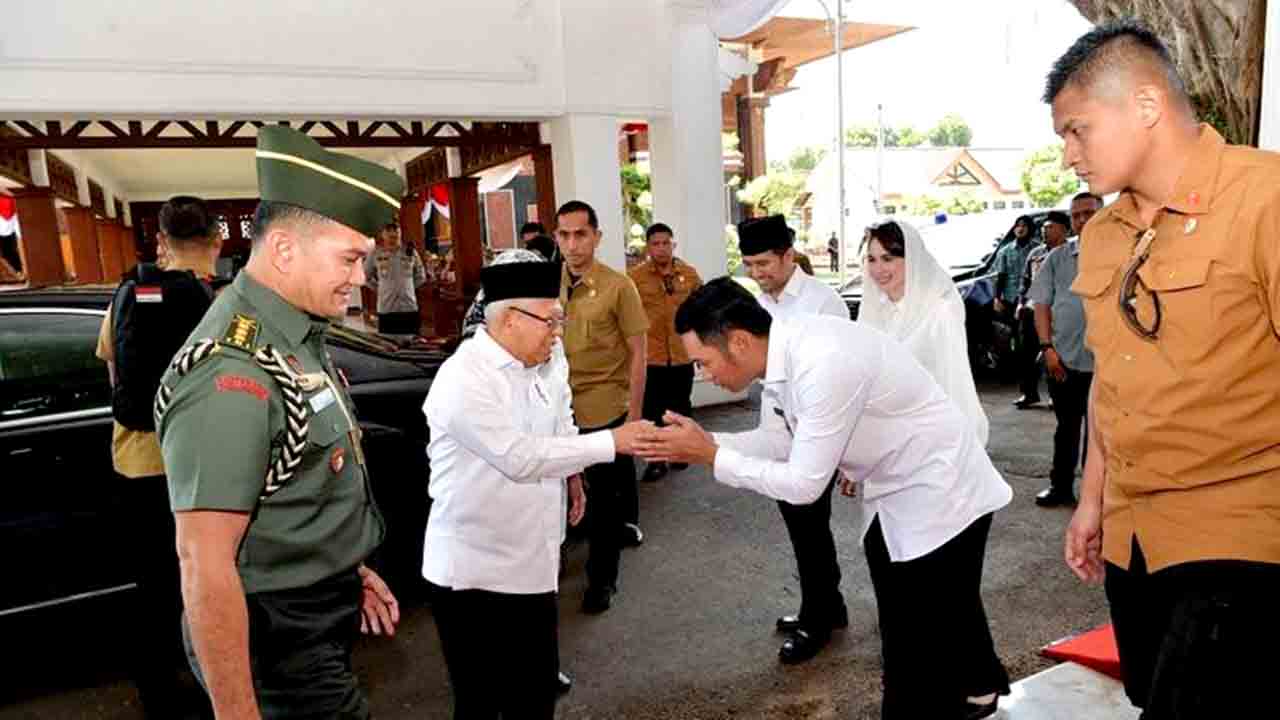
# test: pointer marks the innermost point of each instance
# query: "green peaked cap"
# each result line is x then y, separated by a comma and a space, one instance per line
294, 169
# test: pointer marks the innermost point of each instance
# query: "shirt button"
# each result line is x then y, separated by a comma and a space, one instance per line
1129, 358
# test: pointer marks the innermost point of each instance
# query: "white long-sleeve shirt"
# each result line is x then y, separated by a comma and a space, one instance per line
502, 443
804, 294
842, 395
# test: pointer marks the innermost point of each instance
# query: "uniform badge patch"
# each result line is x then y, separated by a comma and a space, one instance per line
240, 383
242, 333
337, 459
148, 293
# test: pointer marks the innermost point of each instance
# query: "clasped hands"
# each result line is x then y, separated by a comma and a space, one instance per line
681, 440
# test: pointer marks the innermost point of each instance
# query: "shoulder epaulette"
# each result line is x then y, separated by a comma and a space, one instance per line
242, 333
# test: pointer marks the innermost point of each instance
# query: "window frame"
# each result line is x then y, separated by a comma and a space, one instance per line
102, 411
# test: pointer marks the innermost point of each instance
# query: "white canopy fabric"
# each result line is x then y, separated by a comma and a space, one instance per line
735, 18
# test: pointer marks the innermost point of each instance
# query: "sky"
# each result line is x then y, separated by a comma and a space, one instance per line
985, 60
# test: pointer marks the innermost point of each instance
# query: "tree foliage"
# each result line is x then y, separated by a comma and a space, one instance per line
1043, 178
805, 159
637, 196
951, 131
774, 192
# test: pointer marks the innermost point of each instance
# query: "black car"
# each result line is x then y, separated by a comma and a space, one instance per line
60, 524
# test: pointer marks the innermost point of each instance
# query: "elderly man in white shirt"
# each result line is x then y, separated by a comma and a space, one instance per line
787, 292
502, 443
846, 396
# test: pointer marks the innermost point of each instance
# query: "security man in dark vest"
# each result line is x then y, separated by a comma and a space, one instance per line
154, 309
267, 476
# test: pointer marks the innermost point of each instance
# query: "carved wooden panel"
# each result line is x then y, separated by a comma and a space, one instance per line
62, 178
14, 163
97, 199
427, 169
504, 141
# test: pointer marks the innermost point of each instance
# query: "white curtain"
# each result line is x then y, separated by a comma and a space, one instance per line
734, 18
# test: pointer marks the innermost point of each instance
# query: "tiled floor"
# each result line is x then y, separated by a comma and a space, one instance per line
1067, 692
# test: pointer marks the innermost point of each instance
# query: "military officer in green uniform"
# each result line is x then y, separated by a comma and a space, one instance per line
266, 473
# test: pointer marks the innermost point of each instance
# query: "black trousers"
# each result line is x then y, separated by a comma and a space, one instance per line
502, 652
934, 638
399, 323
613, 498
1197, 641
1070, 405
156, 655
1028, 354
668, 387
809, 527
300, 644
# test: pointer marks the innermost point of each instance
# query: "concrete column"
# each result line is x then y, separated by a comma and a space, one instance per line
585, 162
688, 171
1269, 130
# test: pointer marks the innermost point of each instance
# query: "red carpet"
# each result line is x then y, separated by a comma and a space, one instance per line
1094, 649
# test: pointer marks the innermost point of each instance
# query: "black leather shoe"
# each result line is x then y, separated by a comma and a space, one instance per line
791, 623
974, 711
1025, 402
654, 472
564, 684
679, 466
802, 646
632, 535
597, 600
1050, 498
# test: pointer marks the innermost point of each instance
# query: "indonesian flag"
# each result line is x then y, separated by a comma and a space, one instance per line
8, 216
437, 201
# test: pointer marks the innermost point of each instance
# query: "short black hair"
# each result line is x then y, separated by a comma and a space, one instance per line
656, 228
1088, 195
532, 227
270, 213
185, 219
543, 245
890, 237
722, 305
574, 206
1109, 46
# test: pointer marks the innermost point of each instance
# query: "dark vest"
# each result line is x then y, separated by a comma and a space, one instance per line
152, 313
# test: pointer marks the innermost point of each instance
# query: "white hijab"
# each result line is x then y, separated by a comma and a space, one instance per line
929, 320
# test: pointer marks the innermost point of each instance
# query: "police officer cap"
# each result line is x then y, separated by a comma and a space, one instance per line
294, 169
520, 280
763, 234
1059, 217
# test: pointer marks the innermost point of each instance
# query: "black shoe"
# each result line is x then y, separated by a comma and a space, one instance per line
632, 535
676, 467
791, 623
1025, 402
564, 684
974, 711
1053, 498
802, 646
654, 472
597, 600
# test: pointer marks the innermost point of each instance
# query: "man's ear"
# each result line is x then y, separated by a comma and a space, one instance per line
1151, 101
282, 248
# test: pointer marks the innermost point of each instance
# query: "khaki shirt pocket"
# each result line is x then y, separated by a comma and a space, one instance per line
1095, 286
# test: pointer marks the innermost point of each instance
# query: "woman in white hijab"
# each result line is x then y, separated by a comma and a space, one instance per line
908, 295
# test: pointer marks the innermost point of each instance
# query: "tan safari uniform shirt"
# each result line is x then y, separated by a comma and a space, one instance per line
1191, 420
601, 313
661, 296
134, 453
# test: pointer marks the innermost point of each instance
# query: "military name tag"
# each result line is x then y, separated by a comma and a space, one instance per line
321, 400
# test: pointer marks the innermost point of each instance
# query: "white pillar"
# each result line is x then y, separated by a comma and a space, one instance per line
1269, 131
584, 152
685, 151
39, 167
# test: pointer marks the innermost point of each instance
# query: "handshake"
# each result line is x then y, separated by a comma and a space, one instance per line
681, 440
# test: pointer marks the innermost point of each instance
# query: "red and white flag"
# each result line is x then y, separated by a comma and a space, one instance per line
8, 216
437, 201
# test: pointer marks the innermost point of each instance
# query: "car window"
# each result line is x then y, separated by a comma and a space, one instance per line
48, 366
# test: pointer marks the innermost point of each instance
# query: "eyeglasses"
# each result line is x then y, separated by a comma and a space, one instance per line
550, 322
1129, 286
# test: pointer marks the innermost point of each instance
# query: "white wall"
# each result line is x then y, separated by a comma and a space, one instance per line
1269, 135
460, 58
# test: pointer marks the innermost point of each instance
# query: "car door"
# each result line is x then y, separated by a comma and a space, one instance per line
59, 529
